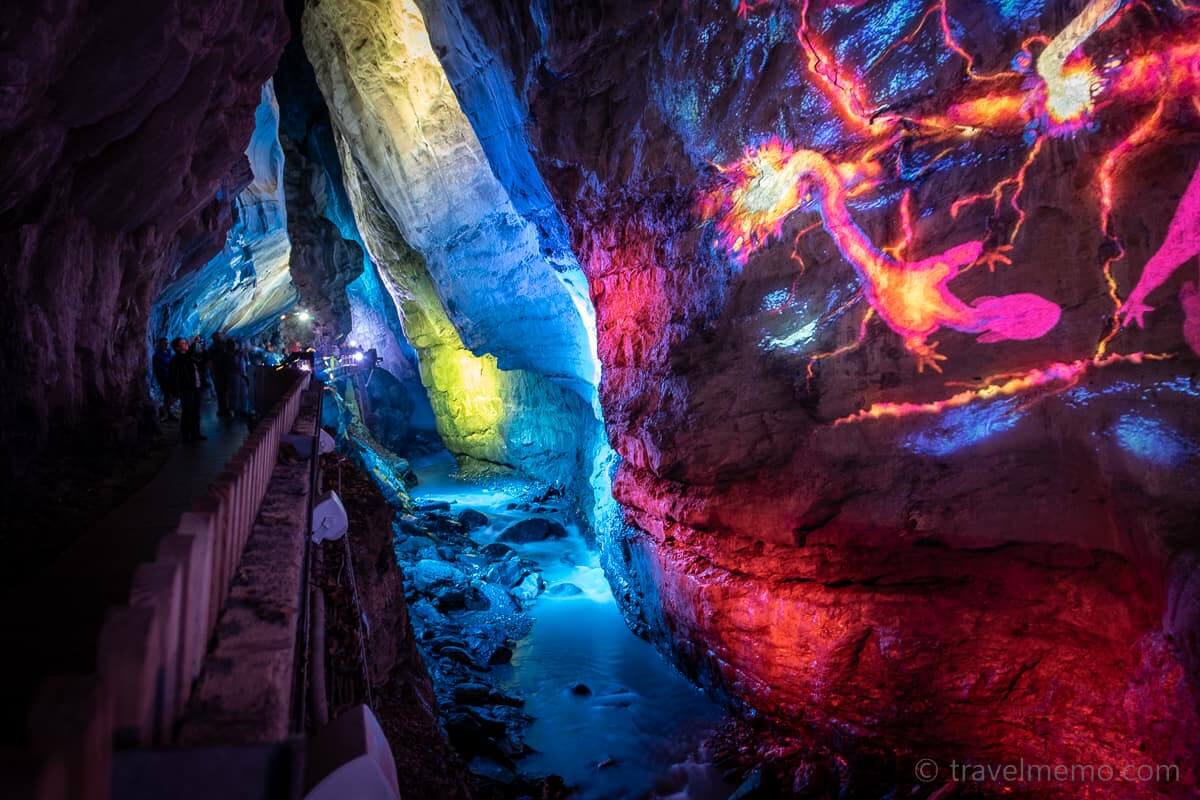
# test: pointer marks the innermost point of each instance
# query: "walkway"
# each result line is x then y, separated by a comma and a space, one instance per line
56, 613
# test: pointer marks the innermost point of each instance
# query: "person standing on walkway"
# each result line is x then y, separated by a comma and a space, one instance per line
221, 364
161, 367
239, 389
187, 383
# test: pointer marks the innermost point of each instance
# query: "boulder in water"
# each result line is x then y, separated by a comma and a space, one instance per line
535, 529
496, 550
429, 573
472, 519
564, 590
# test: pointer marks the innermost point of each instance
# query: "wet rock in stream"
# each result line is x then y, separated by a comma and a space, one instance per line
536, 529
468, 603
472, 519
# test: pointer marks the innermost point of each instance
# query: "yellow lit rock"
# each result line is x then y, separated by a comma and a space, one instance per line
464, 268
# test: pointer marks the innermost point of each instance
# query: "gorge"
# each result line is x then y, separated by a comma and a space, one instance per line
751, 398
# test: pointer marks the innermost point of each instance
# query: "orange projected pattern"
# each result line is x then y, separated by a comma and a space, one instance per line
912, 297
1060, 92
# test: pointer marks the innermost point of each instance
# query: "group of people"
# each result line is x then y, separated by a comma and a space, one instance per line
186, 370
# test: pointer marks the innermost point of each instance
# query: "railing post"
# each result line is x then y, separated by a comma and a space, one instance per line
159, 586
129, 641
189, 550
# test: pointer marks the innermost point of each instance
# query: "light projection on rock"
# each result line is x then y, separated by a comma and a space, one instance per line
1097, 75
910, 296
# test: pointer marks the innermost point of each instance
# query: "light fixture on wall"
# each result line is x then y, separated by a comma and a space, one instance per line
329, 520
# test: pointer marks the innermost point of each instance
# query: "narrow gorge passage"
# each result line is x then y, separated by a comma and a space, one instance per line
605, 710
688, 399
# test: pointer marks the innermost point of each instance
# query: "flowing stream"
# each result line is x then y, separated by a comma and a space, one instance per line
610, 715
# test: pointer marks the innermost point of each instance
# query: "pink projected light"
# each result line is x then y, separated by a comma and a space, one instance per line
912, 297
1181, 243
1060, 92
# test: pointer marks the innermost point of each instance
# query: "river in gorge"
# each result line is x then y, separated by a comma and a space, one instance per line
606, 712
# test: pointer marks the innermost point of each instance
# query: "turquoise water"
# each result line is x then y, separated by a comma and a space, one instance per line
638, 730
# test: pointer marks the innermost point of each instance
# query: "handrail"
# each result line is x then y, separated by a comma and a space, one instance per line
150, 651
300, 690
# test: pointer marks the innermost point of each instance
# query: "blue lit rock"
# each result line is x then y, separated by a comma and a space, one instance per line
119, 127
505, 352
390, 98
248, 284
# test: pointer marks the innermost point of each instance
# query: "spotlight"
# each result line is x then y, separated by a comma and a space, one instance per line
304, 316
283, 316
354, 343
358, 357
329, 519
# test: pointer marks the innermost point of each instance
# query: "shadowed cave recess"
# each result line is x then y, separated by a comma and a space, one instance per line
730, 398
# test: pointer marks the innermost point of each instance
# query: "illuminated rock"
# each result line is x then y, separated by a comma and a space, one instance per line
865, 553
121, 126
248, 284
504, 350
491, 416
391, 100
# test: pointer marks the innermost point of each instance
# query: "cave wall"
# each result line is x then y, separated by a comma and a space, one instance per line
904, 450
120, 154
487, 292
247, 285
397, 407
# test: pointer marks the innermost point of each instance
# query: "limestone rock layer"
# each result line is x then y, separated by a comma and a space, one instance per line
121, 142
498, 320
904, 458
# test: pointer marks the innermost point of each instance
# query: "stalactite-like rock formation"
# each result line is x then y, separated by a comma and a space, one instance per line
500, 329
510, 418
121, 142
900, 475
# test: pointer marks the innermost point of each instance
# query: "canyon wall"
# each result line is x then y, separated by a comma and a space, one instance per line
898, 352
487, 291
121, 145
248, 284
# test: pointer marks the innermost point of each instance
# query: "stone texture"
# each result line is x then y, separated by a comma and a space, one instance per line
502, 341
322, 263
120, 152
395, 406
248, 284
390, 98
931, 583
404, 698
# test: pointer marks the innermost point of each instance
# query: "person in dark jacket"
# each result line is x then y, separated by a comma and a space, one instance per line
161, 367
187, 381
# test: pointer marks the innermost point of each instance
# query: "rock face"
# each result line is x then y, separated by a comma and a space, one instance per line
404, 697
323, 263
120, 155
536, 529
491, 300
246, 285
901, 463
394, 405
